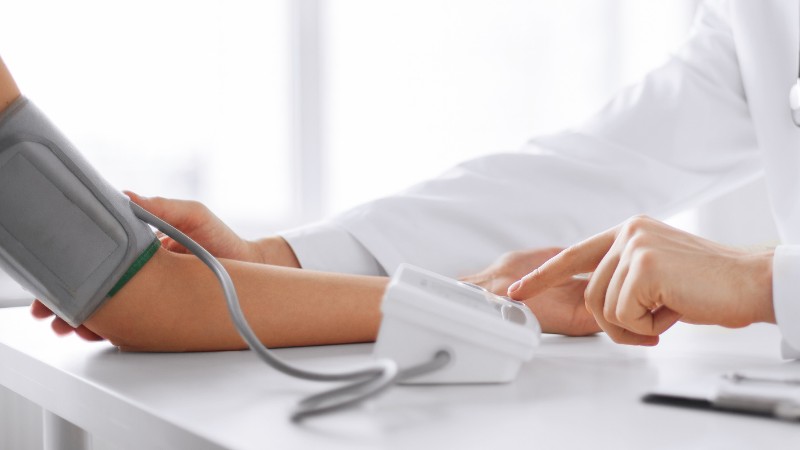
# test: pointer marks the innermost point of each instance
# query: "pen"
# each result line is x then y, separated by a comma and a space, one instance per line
738, 377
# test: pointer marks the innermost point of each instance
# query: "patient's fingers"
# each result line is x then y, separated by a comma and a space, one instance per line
40, 311
87, 334
60, 327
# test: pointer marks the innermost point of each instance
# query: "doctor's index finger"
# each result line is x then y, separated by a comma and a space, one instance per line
580, 258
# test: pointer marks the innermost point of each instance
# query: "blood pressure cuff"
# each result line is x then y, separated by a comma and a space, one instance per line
66, 235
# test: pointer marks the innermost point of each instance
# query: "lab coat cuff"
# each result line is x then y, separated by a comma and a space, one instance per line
786, 297
327, 247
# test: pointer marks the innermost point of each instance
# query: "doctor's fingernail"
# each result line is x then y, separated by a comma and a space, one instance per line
514, 287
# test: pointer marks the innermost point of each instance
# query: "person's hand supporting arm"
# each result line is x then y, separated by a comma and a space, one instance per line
648, 275
198, 222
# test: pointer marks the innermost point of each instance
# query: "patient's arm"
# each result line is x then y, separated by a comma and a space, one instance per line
175, 304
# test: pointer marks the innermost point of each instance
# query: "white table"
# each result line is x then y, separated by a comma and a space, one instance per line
577, 393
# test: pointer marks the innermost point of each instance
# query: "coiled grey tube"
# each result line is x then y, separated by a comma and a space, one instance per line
370, 380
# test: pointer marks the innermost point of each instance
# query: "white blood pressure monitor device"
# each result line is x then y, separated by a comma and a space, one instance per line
487, 336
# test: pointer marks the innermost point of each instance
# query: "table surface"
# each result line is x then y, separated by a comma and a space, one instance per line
576, 392
11, 294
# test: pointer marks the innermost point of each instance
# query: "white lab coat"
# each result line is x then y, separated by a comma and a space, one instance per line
713, 117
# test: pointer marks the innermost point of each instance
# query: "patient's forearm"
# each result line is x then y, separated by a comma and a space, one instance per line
175, 304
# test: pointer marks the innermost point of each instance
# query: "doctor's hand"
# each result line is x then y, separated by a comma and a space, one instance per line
648, 275
204, 227
559, 309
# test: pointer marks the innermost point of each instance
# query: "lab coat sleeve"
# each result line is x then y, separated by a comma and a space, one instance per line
786, 297
328, 247
681, 135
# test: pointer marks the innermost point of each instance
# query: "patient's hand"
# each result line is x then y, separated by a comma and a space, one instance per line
560, 309
198, 222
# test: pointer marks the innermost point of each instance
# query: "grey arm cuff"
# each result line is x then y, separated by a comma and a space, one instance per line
66, 235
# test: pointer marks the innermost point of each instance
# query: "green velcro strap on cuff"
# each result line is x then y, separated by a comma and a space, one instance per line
136, 266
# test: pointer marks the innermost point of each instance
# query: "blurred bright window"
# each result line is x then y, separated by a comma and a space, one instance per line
181, 98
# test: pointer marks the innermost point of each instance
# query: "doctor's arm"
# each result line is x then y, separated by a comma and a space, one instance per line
680, 136
648, 275
677, 138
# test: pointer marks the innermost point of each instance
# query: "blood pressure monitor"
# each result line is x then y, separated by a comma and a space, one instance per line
487, 336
